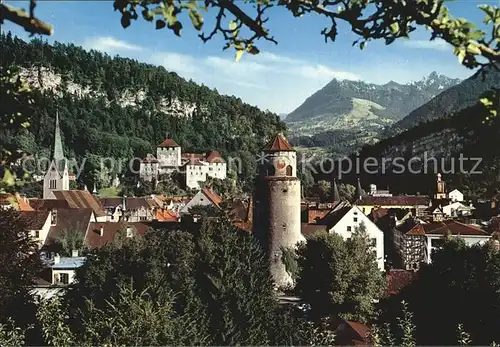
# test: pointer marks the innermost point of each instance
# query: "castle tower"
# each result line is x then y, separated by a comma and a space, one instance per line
168, 154
276, 217
57, 176
440, 191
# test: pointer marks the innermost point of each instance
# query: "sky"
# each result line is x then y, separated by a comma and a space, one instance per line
278, 79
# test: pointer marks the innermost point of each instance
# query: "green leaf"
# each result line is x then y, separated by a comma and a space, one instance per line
239, 54
394, 27
362, 45
232, 25
471, 48
196, 19
253, 50
160, 24
176, 28
8, 178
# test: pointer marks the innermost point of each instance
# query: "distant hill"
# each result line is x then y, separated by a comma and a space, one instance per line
450, 101
356, 105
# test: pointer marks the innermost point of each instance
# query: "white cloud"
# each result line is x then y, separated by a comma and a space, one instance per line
437, 44
270, 81
109, 44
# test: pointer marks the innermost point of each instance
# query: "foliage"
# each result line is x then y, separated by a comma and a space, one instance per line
402, 333
14, 117
99, 125
19, 265
69, 240
458, 273
338, 276
10, 335
463, 336
289, 258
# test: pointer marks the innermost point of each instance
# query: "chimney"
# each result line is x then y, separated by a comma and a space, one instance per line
101, 231
74, 253
57, 259
129, 232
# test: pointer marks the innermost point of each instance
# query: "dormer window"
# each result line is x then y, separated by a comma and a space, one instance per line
53, 184
129, 232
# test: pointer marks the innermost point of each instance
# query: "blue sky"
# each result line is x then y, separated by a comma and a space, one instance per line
278, 79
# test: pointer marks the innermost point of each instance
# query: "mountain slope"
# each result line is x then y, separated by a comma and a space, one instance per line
120, 109
355, 105
450, 101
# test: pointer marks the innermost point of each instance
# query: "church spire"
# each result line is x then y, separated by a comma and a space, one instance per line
359, 190
58, 147
335, 191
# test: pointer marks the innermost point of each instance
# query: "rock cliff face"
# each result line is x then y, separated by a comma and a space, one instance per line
45, 79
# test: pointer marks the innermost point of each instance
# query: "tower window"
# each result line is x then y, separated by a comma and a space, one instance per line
271, 170
289, 170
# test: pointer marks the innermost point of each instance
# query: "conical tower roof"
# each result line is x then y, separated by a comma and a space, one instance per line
58, 153
278, 144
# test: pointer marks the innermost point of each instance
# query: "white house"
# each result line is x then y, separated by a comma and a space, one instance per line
204, 197
61, 273
344, 222
456, 195
457, 209
436, 231
38, 224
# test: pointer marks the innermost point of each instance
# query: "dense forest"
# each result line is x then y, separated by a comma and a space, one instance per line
120, 108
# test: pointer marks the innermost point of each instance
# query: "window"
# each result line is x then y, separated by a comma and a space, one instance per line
373, 242
61, 278
349, 228
289, 170
36, 234
52, 184
355, 213
355, 219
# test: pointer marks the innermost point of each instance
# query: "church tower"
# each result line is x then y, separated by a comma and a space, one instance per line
440, 191
277, 197
57, 176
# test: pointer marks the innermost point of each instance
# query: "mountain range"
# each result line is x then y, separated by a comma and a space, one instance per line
356, 105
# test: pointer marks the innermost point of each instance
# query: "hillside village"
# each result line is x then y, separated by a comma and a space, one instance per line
403, 230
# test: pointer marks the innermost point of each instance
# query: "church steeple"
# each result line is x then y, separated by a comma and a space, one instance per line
359, 190
58, 154
335, 191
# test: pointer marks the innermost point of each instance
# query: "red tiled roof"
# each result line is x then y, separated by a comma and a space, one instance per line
416, 230
23, 203
397, 279
278, 144
403, 200
214, 157
76, 220
212, 196
93, 239
163, 215
168, 143
456, 228
310, 229
34, 220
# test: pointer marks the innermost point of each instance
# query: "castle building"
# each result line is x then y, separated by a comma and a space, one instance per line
57, 176
277, 198
196, 168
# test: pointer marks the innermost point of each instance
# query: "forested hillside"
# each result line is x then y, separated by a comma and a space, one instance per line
120, 108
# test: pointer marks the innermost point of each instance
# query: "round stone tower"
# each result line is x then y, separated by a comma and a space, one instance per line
276, 218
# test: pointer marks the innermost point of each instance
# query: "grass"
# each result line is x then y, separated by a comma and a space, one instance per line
109, 192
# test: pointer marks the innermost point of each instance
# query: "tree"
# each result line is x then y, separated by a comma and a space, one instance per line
458, 273
70, 240
338, 276
19, 266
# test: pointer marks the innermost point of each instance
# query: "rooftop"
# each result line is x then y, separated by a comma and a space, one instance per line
68, 263
278, 144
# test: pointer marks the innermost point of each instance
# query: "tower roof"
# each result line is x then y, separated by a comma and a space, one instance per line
278, 144
168, 143
58, 147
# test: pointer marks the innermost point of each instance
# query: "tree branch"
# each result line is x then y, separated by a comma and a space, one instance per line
20, 17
